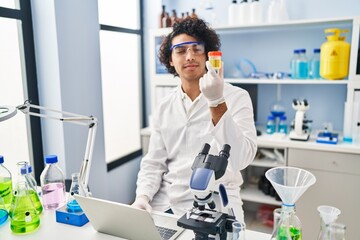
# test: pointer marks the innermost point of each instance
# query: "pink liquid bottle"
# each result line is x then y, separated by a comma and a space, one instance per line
52, 184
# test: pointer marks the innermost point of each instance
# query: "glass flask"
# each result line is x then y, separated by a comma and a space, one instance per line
32, 188
5, 184
289, 226
76, 188
334, 231
23, 214
328, 214
238, 231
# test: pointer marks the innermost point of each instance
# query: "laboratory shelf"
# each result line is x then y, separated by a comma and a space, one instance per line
284, 81
253, 194
266, 162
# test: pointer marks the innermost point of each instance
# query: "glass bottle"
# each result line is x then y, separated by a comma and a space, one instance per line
314, 68
162, 15
270, 125
3, 211
328, 214
334, 231
238, 231
5, 184
283, 125
52, 184
302, 67
32, 188
295, 57
289, 226
76, 188
193, 13
23, 214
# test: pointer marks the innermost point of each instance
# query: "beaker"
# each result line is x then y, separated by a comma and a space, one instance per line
76, 188
238, 231
328, 214
23, 214
289, 226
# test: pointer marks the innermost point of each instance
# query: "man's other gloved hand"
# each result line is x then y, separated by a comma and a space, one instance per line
212, 85
142, 202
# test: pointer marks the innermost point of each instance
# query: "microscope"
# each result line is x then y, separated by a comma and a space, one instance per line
301, 125
203, 219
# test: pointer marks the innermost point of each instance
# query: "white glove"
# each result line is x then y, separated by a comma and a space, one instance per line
142, 202
212, 85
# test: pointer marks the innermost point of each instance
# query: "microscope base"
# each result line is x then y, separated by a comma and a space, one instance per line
78, 219
296, 137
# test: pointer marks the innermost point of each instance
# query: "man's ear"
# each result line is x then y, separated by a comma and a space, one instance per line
171, 63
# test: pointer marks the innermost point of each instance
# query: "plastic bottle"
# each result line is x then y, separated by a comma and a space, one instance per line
289, 226
302, 64
233, 14
23, 214
283, 125
295, 57
52, 184
5, 184
314, 66
244, 12
215, 59
270, 125
32, 188
256, 12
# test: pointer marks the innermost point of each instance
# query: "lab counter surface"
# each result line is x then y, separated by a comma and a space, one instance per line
50, 229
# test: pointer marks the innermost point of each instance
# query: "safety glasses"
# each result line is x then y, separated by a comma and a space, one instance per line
180, 49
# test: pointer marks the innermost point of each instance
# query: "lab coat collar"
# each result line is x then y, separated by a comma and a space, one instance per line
201, 101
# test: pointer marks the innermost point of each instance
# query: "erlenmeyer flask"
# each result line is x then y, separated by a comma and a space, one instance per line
334, 231
3, 211
32, 188
289, 226
328, 214
23, 214
76, 188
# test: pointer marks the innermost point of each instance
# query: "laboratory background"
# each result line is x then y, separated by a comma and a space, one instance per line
97, 59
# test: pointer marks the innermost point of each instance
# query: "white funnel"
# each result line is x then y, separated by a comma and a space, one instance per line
290, 182
328, 213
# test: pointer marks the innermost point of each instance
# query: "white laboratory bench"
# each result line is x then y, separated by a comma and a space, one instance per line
50, 229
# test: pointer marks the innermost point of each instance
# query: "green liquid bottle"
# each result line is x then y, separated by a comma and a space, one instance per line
5, 185
24, 216
289, 226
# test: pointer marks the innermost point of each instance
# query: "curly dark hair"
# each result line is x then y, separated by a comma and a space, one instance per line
194, 27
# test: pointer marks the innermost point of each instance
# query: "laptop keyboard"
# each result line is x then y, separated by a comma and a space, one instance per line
165, 233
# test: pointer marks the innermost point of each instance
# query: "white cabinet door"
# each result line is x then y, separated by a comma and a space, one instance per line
337, 184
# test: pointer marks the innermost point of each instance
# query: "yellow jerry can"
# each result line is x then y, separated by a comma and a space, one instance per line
334, 55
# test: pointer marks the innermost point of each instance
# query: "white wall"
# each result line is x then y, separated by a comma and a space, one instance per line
67, 53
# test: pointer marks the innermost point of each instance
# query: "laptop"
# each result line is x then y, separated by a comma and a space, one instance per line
127, 222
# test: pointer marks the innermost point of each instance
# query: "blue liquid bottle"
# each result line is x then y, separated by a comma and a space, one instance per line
302, 65
294, 74
270, 125
283, 125
314, 71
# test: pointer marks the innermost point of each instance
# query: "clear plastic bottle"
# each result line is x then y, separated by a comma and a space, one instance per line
293, 60
256, 12
32, 188
238, 231
314, 66
5, 184
23, 214
270, 125
334, 231
282, 125
52, 184
233, 13
302, 65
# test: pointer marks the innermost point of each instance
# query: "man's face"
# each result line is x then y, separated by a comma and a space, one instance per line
188, 57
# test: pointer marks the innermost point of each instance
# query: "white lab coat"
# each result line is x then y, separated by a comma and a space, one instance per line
176, 140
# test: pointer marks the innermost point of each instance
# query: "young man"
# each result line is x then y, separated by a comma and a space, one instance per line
202, 110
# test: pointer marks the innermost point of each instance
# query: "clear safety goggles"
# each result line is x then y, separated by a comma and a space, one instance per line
180, 49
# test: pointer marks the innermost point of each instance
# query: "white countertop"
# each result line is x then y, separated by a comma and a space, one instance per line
51, 230
274, 141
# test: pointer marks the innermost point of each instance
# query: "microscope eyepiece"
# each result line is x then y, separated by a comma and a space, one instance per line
225, 151
205, 149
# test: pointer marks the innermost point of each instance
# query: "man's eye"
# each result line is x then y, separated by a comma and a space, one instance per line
180, 50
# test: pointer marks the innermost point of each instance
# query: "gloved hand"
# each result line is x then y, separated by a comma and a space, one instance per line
212, 85
142, 202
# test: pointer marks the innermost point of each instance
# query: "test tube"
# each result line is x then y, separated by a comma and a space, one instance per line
215, 59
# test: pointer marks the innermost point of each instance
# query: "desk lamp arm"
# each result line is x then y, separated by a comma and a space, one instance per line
89, 121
